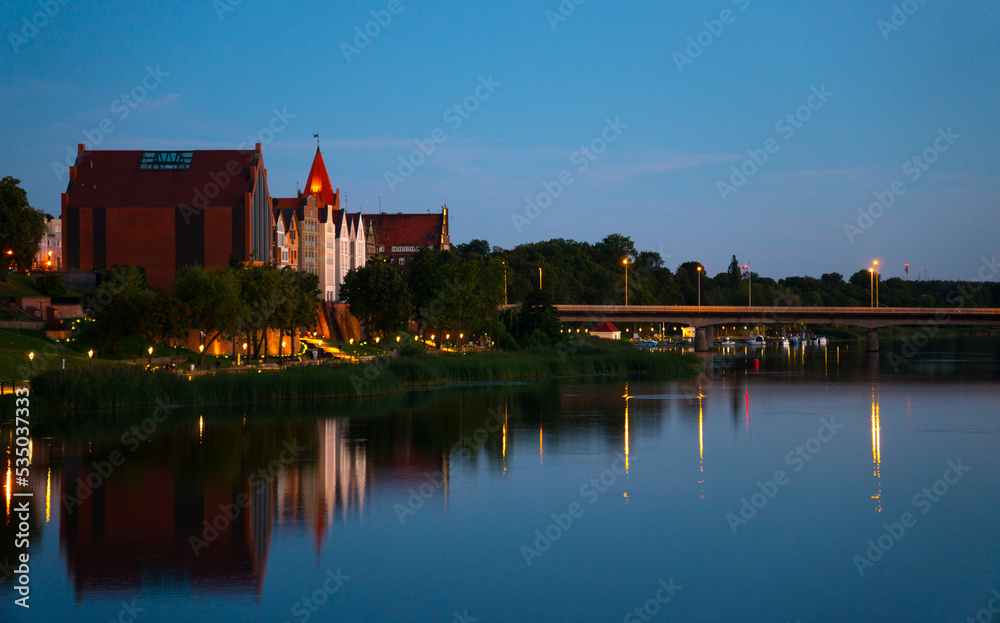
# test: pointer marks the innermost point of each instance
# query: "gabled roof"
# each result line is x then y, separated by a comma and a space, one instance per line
113, 179
422, 230
605, 327
318, 183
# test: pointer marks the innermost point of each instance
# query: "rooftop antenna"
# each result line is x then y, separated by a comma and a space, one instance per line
316, 136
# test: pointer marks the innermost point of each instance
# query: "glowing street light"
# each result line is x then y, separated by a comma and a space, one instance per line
90, 353
625, 262
875, 266
871, 284
201, 348
150, 350
31, 356
699, 286
746, 267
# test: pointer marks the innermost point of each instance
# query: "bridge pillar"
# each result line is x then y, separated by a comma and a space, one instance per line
704, 337
871, 341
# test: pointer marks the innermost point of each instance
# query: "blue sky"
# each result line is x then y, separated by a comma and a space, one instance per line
220, 71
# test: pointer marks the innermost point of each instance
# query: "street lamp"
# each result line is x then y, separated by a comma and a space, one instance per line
699, 286
625, 262
750, 281
875, 265
871, 284
539, 277
31, 356
505, 283
90, 353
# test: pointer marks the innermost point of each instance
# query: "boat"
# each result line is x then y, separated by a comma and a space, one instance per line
784, 341
727, 342
757, 340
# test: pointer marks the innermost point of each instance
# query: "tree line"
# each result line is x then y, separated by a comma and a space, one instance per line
229, 302
460, 291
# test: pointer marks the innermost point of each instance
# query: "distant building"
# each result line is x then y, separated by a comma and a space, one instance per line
330, 241
49, 255
607, 331
166, 209
399, 236
286, 233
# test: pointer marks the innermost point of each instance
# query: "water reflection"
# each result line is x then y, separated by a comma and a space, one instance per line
138, 532
877, 448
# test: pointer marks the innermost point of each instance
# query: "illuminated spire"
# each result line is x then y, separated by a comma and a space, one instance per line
318, 183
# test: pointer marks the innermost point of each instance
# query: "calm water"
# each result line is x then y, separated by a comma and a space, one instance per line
576, 500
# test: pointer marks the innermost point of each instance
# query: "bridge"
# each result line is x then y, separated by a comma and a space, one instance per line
704, 318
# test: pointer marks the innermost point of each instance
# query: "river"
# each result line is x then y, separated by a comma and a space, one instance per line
807, 484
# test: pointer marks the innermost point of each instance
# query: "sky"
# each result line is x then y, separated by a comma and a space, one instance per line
803, 139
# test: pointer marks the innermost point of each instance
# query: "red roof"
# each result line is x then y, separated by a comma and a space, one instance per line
113, 179
605, 327
318, 182
421, 230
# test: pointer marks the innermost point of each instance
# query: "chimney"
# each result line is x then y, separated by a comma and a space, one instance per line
258, 147
80, 148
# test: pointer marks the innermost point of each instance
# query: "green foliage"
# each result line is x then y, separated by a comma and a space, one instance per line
536, 314
119, 305
21, 227
214, 298
50, 284
126, 386
377, 296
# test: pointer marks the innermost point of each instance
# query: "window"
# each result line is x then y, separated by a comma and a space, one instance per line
329, 260
329, 245
284, 255
165, 160
381, 248
402, 261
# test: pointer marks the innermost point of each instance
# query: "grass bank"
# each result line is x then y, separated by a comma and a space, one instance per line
121, 387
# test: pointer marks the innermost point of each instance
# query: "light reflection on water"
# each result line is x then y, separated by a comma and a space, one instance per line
426, 500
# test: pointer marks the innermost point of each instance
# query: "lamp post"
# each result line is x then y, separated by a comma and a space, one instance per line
750, 281
505, 283
699, 286
875, 266
625, 262
871, 284
90, 354
150, 351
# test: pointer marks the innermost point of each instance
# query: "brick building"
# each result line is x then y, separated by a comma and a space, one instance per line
166, 209
399, 236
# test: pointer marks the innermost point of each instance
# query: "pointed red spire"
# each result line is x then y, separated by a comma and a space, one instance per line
318, 183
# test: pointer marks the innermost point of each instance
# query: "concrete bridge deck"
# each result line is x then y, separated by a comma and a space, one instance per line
705, 318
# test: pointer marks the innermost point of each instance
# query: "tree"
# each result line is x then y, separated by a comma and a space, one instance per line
476, 247
734, 275
377, 295
166, 317
536, 314
214, 298
119, 305
21, 226
613, 249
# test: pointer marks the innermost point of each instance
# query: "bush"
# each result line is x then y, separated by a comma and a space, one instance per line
50, 284
507, 342
411, 348
538, 338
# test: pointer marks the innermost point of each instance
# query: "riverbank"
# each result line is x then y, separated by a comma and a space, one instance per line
121, 387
